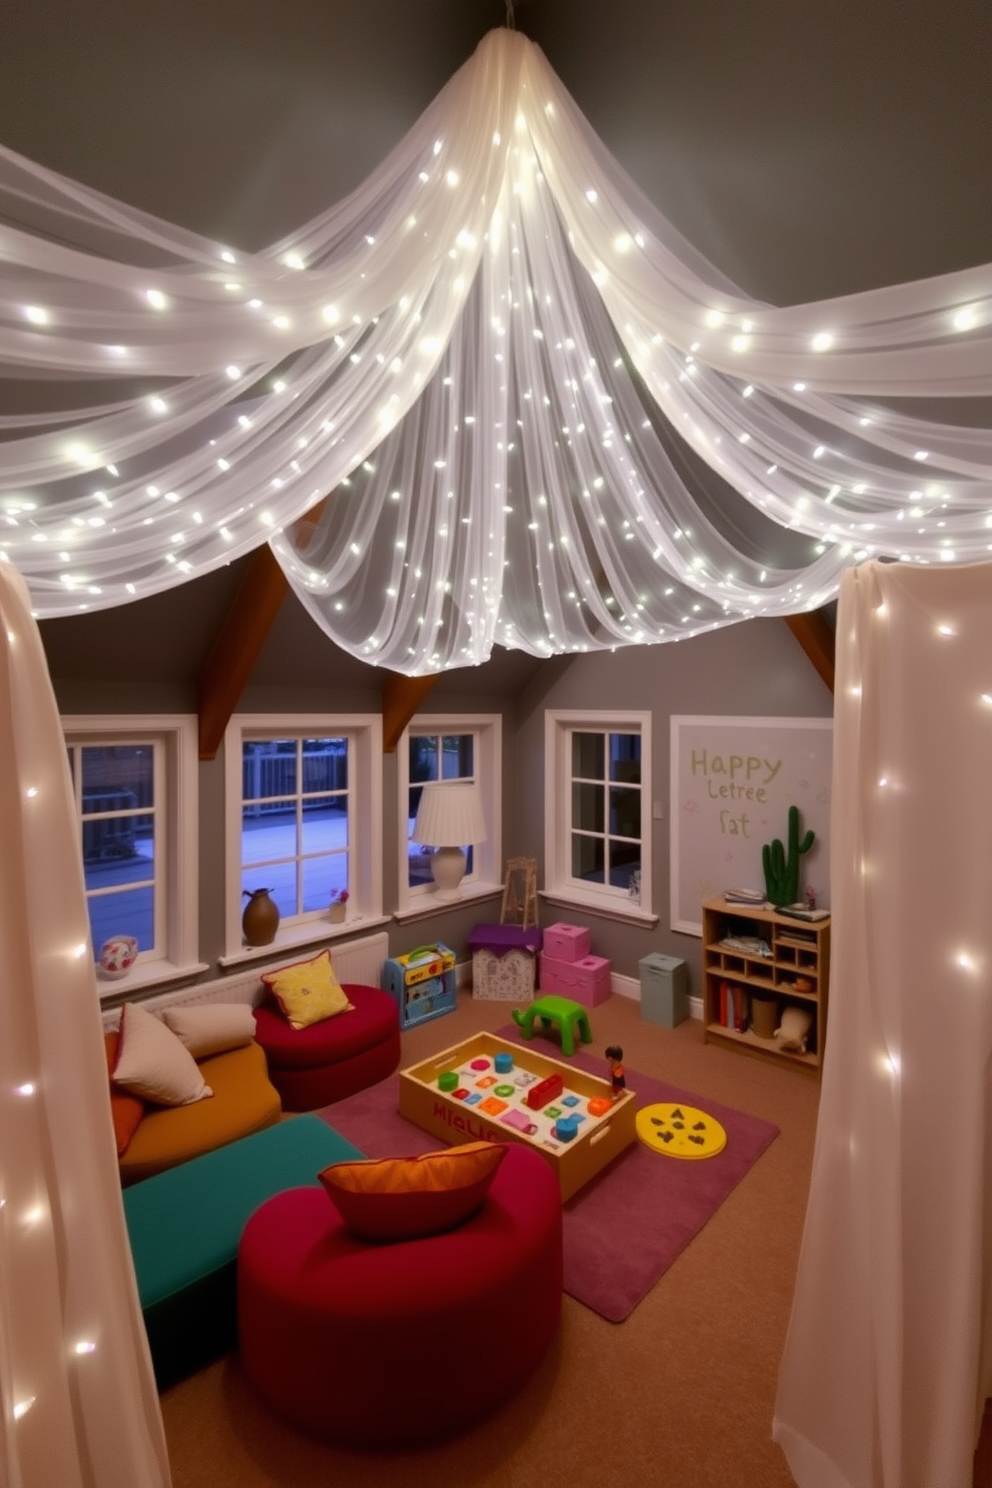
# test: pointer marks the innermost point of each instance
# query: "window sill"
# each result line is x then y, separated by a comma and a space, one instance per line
293, 937
145, 976
427, 904
625, 913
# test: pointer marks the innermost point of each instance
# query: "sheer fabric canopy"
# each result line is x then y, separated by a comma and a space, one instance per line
498, 363
888, 1360
80, 1405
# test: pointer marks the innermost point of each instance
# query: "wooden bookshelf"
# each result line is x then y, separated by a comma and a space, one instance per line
796, 950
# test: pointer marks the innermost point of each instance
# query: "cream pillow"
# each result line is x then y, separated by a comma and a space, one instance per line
152, 1063
211, 1027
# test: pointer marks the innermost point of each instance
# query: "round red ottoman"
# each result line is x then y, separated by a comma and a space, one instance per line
389, 1345
315, 1066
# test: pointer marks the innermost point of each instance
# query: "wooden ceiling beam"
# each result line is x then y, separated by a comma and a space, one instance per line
401, 697
816, 636
237, 647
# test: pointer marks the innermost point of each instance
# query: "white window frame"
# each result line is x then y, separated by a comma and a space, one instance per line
364, 734
487, 857
559, 885
175, 738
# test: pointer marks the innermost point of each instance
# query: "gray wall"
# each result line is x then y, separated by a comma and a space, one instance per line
146, 657
755, 669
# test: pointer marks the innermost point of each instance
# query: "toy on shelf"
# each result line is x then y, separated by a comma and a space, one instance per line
570, 1018
618, 1080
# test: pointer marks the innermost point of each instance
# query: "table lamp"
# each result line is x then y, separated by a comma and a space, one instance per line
449, 819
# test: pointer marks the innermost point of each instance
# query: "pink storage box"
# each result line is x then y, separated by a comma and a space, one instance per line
586, 981
566, 942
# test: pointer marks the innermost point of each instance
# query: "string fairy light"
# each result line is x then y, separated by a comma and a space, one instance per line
460, 290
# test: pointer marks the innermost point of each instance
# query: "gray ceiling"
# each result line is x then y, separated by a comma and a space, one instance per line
808, 149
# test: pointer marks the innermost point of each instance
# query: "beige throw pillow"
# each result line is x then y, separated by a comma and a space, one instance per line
211, 1027
152, 1063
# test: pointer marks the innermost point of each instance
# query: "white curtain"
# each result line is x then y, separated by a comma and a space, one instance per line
538, 416
79, 1404
889, 1354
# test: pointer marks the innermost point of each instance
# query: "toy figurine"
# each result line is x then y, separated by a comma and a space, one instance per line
618, 1079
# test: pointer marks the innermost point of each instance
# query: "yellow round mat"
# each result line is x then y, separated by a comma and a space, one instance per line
680, 1131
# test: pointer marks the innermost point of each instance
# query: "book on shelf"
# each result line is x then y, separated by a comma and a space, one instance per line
803, 912
744, 896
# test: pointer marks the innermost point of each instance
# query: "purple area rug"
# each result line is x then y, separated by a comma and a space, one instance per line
625, 1228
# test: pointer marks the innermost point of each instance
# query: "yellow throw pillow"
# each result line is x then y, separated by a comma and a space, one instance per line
308, 991
406, 1198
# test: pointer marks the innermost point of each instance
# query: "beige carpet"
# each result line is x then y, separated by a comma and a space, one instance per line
678, 1396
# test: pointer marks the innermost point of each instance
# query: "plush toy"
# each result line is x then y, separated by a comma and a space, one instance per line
793, 1029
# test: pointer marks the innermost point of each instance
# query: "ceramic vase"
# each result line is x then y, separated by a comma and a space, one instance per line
260, 920
118, 955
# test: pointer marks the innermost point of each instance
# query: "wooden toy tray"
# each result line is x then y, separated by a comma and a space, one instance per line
474, 1111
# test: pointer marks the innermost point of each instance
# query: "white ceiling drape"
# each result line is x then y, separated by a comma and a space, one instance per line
539, 417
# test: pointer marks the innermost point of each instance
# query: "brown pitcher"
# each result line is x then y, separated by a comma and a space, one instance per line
260, 920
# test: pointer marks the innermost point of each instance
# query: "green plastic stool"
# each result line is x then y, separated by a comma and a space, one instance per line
561, 1011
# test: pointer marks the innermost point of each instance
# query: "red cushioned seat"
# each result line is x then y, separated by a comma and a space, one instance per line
366, 1343
316, 1066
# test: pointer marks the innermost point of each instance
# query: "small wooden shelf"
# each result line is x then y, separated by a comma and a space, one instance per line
797, 950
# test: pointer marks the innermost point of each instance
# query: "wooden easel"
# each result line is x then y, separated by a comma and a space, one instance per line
520, 893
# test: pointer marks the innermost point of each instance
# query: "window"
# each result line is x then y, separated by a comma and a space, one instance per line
134, 784
450, 750
304, 818
598, 811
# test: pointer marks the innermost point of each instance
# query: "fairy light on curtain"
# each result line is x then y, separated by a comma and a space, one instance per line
78, 1401
478, 357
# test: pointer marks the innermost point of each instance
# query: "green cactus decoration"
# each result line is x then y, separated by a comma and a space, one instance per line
781, 872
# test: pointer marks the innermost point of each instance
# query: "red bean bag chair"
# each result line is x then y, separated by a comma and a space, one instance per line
377, 1344
326, 1061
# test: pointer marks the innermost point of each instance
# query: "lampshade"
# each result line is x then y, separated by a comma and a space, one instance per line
449, 817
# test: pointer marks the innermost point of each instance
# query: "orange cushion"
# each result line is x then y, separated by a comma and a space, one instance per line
244, 1101
125, 1108
404, 1198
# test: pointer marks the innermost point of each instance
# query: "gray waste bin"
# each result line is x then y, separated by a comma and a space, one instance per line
664, 989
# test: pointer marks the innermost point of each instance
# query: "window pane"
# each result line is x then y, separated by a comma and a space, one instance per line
323, 879
625, 757
268, 770
419, 865
325, 765
456, 756
325, 824
269, 833
587, 807
588, 860
625, 812
423, 757
117, 770
624, 858
130, 912
588, 756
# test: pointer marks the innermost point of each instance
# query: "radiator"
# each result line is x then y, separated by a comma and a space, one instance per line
354, 961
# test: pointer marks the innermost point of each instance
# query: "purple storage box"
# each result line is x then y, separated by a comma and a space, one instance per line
567, 942
586, 981
504, 962
502, 938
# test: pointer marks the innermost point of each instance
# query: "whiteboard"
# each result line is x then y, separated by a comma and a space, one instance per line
732, 783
